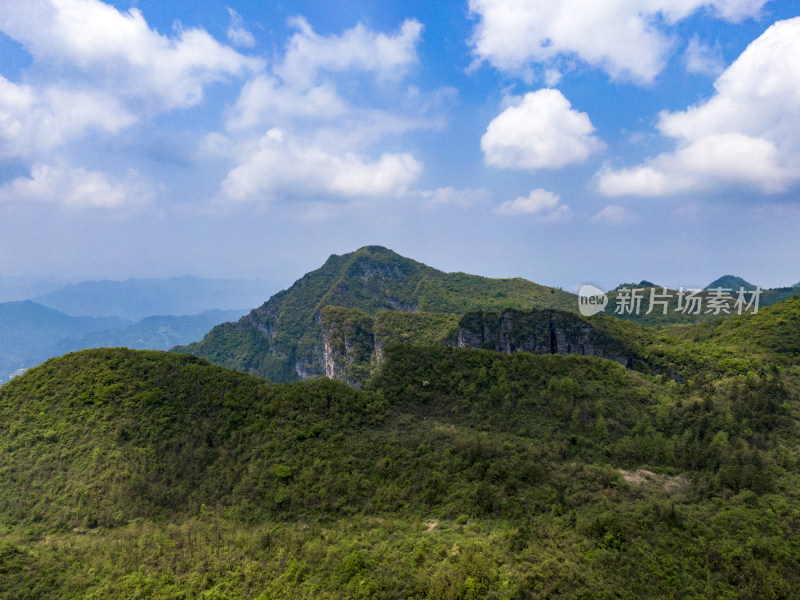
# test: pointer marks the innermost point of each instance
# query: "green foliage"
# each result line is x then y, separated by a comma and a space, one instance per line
424, 328
455, 473
282, 340
774, 330
348, 343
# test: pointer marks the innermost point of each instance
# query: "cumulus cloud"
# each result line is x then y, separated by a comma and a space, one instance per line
283, 166
320, 142
118, 52
748, 133
612, 214
264, 99
77, 187
540, 203
295, 88
450, 196
33, 120
106, 69
625, 38
238, 34
357, 49
703, 59
542, 131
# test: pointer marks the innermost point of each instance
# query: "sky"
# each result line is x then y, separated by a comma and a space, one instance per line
565, 142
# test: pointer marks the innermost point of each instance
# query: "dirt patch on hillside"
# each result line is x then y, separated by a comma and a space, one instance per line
671, 483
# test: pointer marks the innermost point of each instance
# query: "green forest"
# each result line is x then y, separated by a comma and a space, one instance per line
447, 472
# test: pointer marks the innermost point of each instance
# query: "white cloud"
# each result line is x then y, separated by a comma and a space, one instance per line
296, 88
541, 203
265, 102
356, 49
450, 196
119, 53
77, 187
33, 120
320, 143
282, 166
703, 59
625, 38
612, 214
264, 99
748, 133
542, 131
238, 35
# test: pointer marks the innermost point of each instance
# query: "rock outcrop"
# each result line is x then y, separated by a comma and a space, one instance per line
541, 332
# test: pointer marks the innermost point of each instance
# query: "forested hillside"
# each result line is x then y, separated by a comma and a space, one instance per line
455, 473
282, 339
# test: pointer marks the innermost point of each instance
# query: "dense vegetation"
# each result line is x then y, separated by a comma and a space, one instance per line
282, 340
390, 298
455, 473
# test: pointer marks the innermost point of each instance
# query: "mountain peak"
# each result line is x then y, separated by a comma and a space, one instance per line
731, 282
283, 339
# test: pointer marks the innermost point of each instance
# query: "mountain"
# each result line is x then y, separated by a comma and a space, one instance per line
768, 296
354, 342
683, 309
282, 339
28, 330
730, 282
135, 299
31, 333
15, 289
775, 330
151, 333
456, 473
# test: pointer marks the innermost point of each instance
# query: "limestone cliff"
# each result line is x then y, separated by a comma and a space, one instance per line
348, 344
283, 340
540, 332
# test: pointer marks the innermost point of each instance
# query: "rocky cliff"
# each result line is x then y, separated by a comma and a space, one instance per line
353, 342
540, 332
283, 339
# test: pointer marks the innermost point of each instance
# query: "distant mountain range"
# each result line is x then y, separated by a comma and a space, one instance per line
137, 313
31, 333
15, 289
135, 299
151, 333
28, 330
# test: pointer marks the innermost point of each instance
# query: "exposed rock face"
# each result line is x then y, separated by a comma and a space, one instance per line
353, 341
264, 321
541, 332
282, 340
348, 344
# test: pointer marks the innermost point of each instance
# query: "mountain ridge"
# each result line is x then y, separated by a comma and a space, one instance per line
28, 329
135, 299
282, 339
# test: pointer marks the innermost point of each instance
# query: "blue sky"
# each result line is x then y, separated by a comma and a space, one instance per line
565, 142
